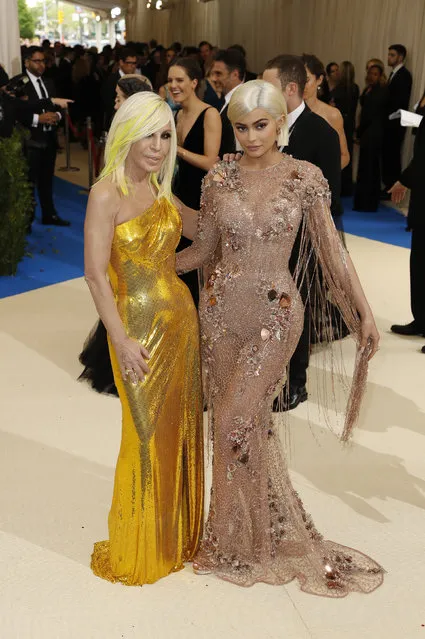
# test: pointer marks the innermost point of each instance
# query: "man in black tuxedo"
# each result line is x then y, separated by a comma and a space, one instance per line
312, 139
127, 64
413, 177
64, 82
42, 146
399, 90
228, 73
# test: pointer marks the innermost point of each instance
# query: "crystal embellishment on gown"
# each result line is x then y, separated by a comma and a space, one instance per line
257, 529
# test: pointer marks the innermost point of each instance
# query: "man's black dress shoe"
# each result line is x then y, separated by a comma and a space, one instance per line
408, 329
55, 220
423, 349
287, 402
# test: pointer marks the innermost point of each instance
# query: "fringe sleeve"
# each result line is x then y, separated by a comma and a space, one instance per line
322, 267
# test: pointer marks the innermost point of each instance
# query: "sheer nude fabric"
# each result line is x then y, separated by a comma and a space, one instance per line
251, 319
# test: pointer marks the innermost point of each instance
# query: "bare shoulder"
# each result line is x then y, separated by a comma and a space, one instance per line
334, 116
105, 192
104, 199
211, 114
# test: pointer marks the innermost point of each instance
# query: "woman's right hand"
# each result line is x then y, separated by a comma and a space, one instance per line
132, 358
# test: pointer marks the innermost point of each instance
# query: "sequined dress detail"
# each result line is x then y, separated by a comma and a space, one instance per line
155, 521
251, 319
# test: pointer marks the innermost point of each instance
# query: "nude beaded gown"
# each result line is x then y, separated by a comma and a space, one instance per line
155, 521
251, 319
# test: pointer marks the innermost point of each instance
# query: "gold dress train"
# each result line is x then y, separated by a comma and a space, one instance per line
155, 521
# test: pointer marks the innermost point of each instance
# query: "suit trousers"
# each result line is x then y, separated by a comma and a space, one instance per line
41, 169
417, 276
391, 154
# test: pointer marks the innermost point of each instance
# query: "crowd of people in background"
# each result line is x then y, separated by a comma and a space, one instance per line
197, 83
90, 78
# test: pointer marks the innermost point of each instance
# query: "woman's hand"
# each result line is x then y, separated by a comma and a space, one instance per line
232, 157
369, 335
131, 357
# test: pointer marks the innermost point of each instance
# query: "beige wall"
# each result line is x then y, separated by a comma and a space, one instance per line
332, 29
10, 52
337, 30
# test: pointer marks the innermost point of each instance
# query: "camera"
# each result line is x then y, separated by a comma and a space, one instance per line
17, 85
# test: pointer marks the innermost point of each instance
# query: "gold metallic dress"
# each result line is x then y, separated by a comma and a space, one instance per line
155, 520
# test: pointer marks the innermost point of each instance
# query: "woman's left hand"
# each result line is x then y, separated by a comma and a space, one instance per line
369, 335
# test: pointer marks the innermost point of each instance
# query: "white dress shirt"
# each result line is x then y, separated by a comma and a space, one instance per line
294, 115
228, 96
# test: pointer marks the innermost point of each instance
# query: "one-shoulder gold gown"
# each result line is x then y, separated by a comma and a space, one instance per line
155, 520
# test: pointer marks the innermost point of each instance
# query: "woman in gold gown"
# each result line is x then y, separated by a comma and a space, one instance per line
131, 232
251, 320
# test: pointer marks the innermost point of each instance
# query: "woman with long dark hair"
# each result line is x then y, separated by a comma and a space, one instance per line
315, 78
198, 128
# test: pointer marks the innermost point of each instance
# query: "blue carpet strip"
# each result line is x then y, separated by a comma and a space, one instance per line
55, 254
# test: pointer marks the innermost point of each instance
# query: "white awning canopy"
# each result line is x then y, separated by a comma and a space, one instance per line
101, 5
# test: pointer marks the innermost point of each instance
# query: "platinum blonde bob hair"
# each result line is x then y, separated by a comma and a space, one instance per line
258, 94
140, 116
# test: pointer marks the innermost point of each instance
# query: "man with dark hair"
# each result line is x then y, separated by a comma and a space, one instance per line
399, 90
312, 139
127, 62
228, 72
249, 75
205, 49
42, 145
64, 82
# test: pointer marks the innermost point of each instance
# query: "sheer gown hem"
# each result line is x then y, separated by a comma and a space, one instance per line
338, 584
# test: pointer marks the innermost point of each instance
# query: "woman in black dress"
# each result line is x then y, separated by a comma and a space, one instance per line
370, 134
198, 136
345, 97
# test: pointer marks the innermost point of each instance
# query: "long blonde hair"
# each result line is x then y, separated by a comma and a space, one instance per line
141, 115
258, 94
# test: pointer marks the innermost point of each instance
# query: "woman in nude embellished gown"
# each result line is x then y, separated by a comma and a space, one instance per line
251, 319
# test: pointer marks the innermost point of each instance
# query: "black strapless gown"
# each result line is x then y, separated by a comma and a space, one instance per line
187, 187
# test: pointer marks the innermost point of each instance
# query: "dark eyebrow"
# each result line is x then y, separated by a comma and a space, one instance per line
256, 122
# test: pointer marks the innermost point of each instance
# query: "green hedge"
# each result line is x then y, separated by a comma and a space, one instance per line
15, 203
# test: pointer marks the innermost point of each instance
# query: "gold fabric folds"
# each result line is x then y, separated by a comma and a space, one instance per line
155, 520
